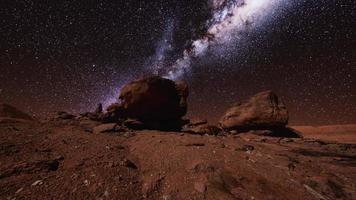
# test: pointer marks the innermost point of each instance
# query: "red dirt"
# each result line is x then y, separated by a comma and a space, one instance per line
64, 160
333, 133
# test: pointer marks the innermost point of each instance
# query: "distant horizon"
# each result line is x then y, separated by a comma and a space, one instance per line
187, 116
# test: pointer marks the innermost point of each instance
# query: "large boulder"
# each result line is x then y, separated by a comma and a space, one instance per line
154, 99
8, 111
263, 111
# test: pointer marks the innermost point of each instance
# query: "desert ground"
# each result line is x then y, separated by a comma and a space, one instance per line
334, 133
65, 159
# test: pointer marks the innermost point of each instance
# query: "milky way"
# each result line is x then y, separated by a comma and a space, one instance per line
229, 19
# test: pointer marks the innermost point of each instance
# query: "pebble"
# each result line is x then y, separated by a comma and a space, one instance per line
19, 190
167, 197
106, 193
129, 164
86, 182
200, 187
38, 182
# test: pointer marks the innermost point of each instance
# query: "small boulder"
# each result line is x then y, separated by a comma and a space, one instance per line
91, 116
88, 125
263, 111
64, 115
8, 111
197, 122
97, 115
202, 129
133, 124
105, 128
114, 113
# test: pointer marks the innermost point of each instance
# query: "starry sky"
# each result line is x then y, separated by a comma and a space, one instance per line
72, 54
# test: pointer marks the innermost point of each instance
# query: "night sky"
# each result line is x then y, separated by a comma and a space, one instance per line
71, 54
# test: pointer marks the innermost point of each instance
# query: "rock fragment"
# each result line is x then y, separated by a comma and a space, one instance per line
104, 128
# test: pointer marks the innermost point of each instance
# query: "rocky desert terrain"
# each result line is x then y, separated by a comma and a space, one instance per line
134, 150
334, 133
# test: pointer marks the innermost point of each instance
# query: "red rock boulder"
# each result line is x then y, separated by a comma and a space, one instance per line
264, 111
154, 99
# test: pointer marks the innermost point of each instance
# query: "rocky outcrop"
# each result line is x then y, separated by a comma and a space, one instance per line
8, 111
157, 102
201, 127
134, 124
154, 98
264, 111
97, 115
64, 115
